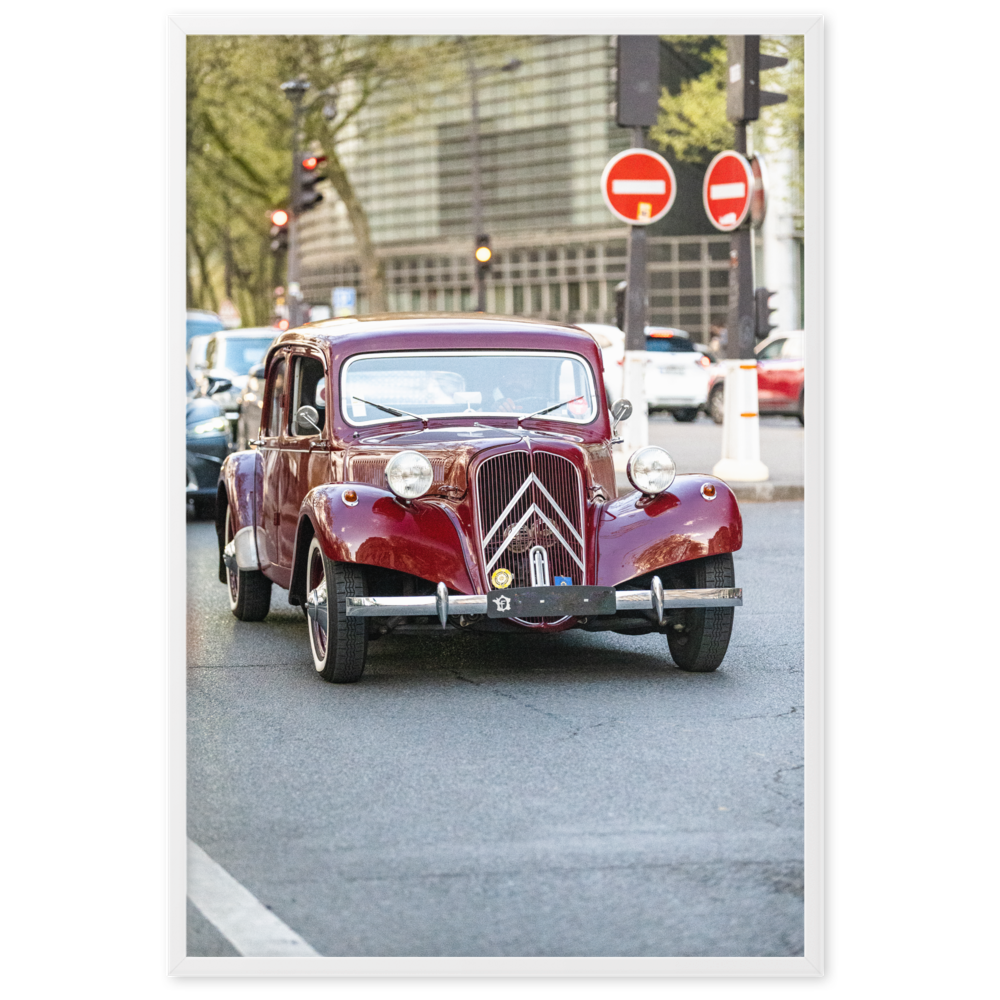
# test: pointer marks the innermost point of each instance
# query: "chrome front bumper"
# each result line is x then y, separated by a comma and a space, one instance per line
444, 604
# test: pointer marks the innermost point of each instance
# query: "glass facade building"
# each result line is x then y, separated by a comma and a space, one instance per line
546, 131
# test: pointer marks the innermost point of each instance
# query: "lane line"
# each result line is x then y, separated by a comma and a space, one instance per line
249, 926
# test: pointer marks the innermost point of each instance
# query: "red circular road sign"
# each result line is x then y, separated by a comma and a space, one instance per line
638, 186
728, 190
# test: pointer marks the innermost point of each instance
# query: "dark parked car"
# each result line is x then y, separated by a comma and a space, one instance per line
207, 447
455, 472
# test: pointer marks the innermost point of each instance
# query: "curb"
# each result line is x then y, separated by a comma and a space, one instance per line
744, 492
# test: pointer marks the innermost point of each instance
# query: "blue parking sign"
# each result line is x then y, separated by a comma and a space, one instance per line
564, 581
344, 301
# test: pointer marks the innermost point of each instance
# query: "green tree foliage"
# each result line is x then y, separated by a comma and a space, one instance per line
692, 125
239, 126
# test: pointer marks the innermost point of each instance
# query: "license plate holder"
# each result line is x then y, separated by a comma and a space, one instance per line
550, 602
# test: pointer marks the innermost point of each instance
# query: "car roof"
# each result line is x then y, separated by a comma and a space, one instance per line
248, 331
437, 331
666, 332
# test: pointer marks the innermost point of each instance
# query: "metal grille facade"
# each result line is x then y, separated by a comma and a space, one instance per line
527, 501
546, 132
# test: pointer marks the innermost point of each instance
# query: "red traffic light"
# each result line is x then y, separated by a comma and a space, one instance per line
312, 162
279, 217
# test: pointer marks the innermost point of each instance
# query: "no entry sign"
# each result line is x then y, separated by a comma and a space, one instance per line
638, 186
729, 185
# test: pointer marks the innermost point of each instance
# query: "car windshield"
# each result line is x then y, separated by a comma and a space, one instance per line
468, 383
242, 353
669, 344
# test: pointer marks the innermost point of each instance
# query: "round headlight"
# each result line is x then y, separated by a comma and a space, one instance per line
410, 474
651, 470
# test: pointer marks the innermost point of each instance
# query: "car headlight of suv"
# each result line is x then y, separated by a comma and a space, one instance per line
217, 425
651, 470
409, 474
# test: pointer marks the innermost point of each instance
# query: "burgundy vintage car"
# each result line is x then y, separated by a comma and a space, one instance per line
414, 473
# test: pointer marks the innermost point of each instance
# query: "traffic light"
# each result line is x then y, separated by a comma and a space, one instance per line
638, 80
744, 98
279, 230
762, 312
483, 254
309, 177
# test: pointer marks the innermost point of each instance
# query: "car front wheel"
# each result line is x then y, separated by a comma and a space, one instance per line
249, 590
686, 415
716, 404
339, 644
699, 639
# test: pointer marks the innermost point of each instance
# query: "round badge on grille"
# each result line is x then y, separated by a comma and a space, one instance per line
501, 578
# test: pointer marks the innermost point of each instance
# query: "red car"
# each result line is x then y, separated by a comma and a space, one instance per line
455, 472
780, 378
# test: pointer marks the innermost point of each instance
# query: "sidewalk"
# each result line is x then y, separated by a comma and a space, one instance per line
697, 446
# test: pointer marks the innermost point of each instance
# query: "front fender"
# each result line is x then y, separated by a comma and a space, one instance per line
242, 480
418, 538
636, 535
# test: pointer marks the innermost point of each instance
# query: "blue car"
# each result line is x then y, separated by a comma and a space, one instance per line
207, 446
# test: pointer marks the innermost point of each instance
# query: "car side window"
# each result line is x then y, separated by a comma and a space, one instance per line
772, 350
308, 389
792, 348
276, 390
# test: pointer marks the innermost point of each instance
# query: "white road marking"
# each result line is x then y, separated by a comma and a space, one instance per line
251, 928
639, 187
718, 192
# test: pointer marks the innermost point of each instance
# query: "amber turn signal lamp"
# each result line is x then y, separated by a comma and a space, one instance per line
708, 491
350, 497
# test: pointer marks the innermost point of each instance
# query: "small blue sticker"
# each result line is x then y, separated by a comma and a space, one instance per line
564, 581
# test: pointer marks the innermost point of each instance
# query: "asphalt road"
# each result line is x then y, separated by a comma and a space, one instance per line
497, 795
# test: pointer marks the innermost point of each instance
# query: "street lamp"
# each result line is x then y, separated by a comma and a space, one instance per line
295, 90
481, 238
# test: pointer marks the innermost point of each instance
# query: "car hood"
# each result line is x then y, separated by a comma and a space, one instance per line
200, 409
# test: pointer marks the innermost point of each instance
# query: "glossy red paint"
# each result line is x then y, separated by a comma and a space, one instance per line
242, 479
418, 538
635, 535
294, 488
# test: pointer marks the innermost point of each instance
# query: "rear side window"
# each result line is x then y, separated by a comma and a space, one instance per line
277, 399
773, 350
669, 344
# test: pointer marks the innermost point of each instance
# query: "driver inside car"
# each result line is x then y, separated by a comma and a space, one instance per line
517, 389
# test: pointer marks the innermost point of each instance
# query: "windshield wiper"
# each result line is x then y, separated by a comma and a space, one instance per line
548, 409
392, 410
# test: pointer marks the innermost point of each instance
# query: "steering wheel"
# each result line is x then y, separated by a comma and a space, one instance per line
528, 404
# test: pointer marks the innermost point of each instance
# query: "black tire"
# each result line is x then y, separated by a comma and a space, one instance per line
249, 590
339, 644
802, 408
686, 415
699, 645
204, 508
716, 404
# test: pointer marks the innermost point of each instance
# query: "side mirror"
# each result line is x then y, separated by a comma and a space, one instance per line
621, 410
257, 371
306, 416
219, 385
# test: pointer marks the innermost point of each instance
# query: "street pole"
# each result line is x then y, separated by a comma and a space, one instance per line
479, 233
636, 428
477, 182
295, 90
740, 461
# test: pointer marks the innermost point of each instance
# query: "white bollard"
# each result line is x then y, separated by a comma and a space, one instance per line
635, 430
740, 462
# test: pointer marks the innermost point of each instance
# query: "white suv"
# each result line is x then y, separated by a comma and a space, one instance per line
677, 373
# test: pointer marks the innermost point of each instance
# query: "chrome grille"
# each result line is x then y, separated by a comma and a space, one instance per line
525, 502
